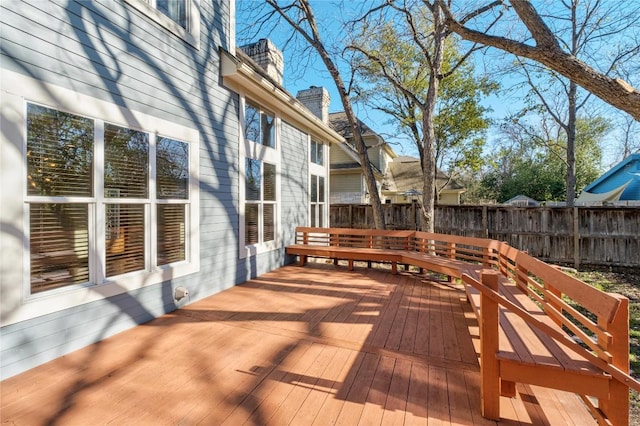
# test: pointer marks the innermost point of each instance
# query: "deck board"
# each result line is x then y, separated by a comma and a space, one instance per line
296, 346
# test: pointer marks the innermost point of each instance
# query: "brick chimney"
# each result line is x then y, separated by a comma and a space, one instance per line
316, 99
268, 56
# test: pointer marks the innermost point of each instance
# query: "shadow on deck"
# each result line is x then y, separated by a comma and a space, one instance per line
300, 346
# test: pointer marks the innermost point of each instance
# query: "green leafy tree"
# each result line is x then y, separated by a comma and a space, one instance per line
460, 121
404, 45
534, 164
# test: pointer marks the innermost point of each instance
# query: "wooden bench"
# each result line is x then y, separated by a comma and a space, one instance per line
443, 254
529, 333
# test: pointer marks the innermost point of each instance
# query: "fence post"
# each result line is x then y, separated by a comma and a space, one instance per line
576, 238
350, 215
485, 222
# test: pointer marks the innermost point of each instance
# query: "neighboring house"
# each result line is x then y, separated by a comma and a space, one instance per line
404, 183
347, 180
620, 183
140, 152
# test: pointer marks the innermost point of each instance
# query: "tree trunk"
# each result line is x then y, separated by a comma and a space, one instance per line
428, 113
314, 40
571, 146
369, 178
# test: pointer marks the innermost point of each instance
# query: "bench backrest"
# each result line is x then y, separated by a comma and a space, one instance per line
584, 311
475, 250
356, 238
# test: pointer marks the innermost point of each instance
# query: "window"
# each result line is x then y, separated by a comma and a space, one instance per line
317, 156
317, 197
66, 154
260, 201
174, 9
318, 172
259, 126
259, 171
172, 192
181, 17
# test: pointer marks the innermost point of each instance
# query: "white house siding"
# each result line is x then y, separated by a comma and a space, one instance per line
449, 198
115, 54
346, 189
339, 156
374, 155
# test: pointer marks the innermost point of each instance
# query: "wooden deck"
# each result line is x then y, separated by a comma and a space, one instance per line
298, 346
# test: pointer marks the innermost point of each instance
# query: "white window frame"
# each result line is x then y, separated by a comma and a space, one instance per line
318, 170
18, 91
257, 151
191, 34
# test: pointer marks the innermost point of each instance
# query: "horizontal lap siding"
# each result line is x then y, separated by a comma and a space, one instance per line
112, 52
295, 181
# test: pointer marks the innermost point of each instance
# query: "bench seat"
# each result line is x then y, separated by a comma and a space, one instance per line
528, 355
450, 267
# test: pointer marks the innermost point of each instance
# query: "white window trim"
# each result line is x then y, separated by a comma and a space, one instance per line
17, 90
265, 154
191, 35
323, 171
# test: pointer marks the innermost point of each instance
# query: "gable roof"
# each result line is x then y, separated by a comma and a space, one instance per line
627, 171
338, 122
405, 174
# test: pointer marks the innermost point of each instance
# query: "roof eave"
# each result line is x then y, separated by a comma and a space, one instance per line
240, 77
611, 171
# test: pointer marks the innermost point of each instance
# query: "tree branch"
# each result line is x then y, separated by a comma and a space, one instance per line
616, 92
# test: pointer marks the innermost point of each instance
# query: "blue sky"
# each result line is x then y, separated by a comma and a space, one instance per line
304, 70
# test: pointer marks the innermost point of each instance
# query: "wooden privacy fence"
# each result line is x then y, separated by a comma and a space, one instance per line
599, 235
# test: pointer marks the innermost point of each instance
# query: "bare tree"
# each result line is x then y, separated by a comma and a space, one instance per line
630, 137
583, 28
549, 52
421, 24
300, 16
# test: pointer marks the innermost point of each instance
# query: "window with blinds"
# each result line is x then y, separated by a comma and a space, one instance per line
59, 242
261, 157
260, 201
63, 208
172, 236
60, 152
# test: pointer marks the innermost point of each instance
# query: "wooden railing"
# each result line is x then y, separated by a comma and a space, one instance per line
560, 332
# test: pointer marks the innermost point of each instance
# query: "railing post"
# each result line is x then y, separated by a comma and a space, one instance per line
452, 250
616, 408
486, 257
489, 366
